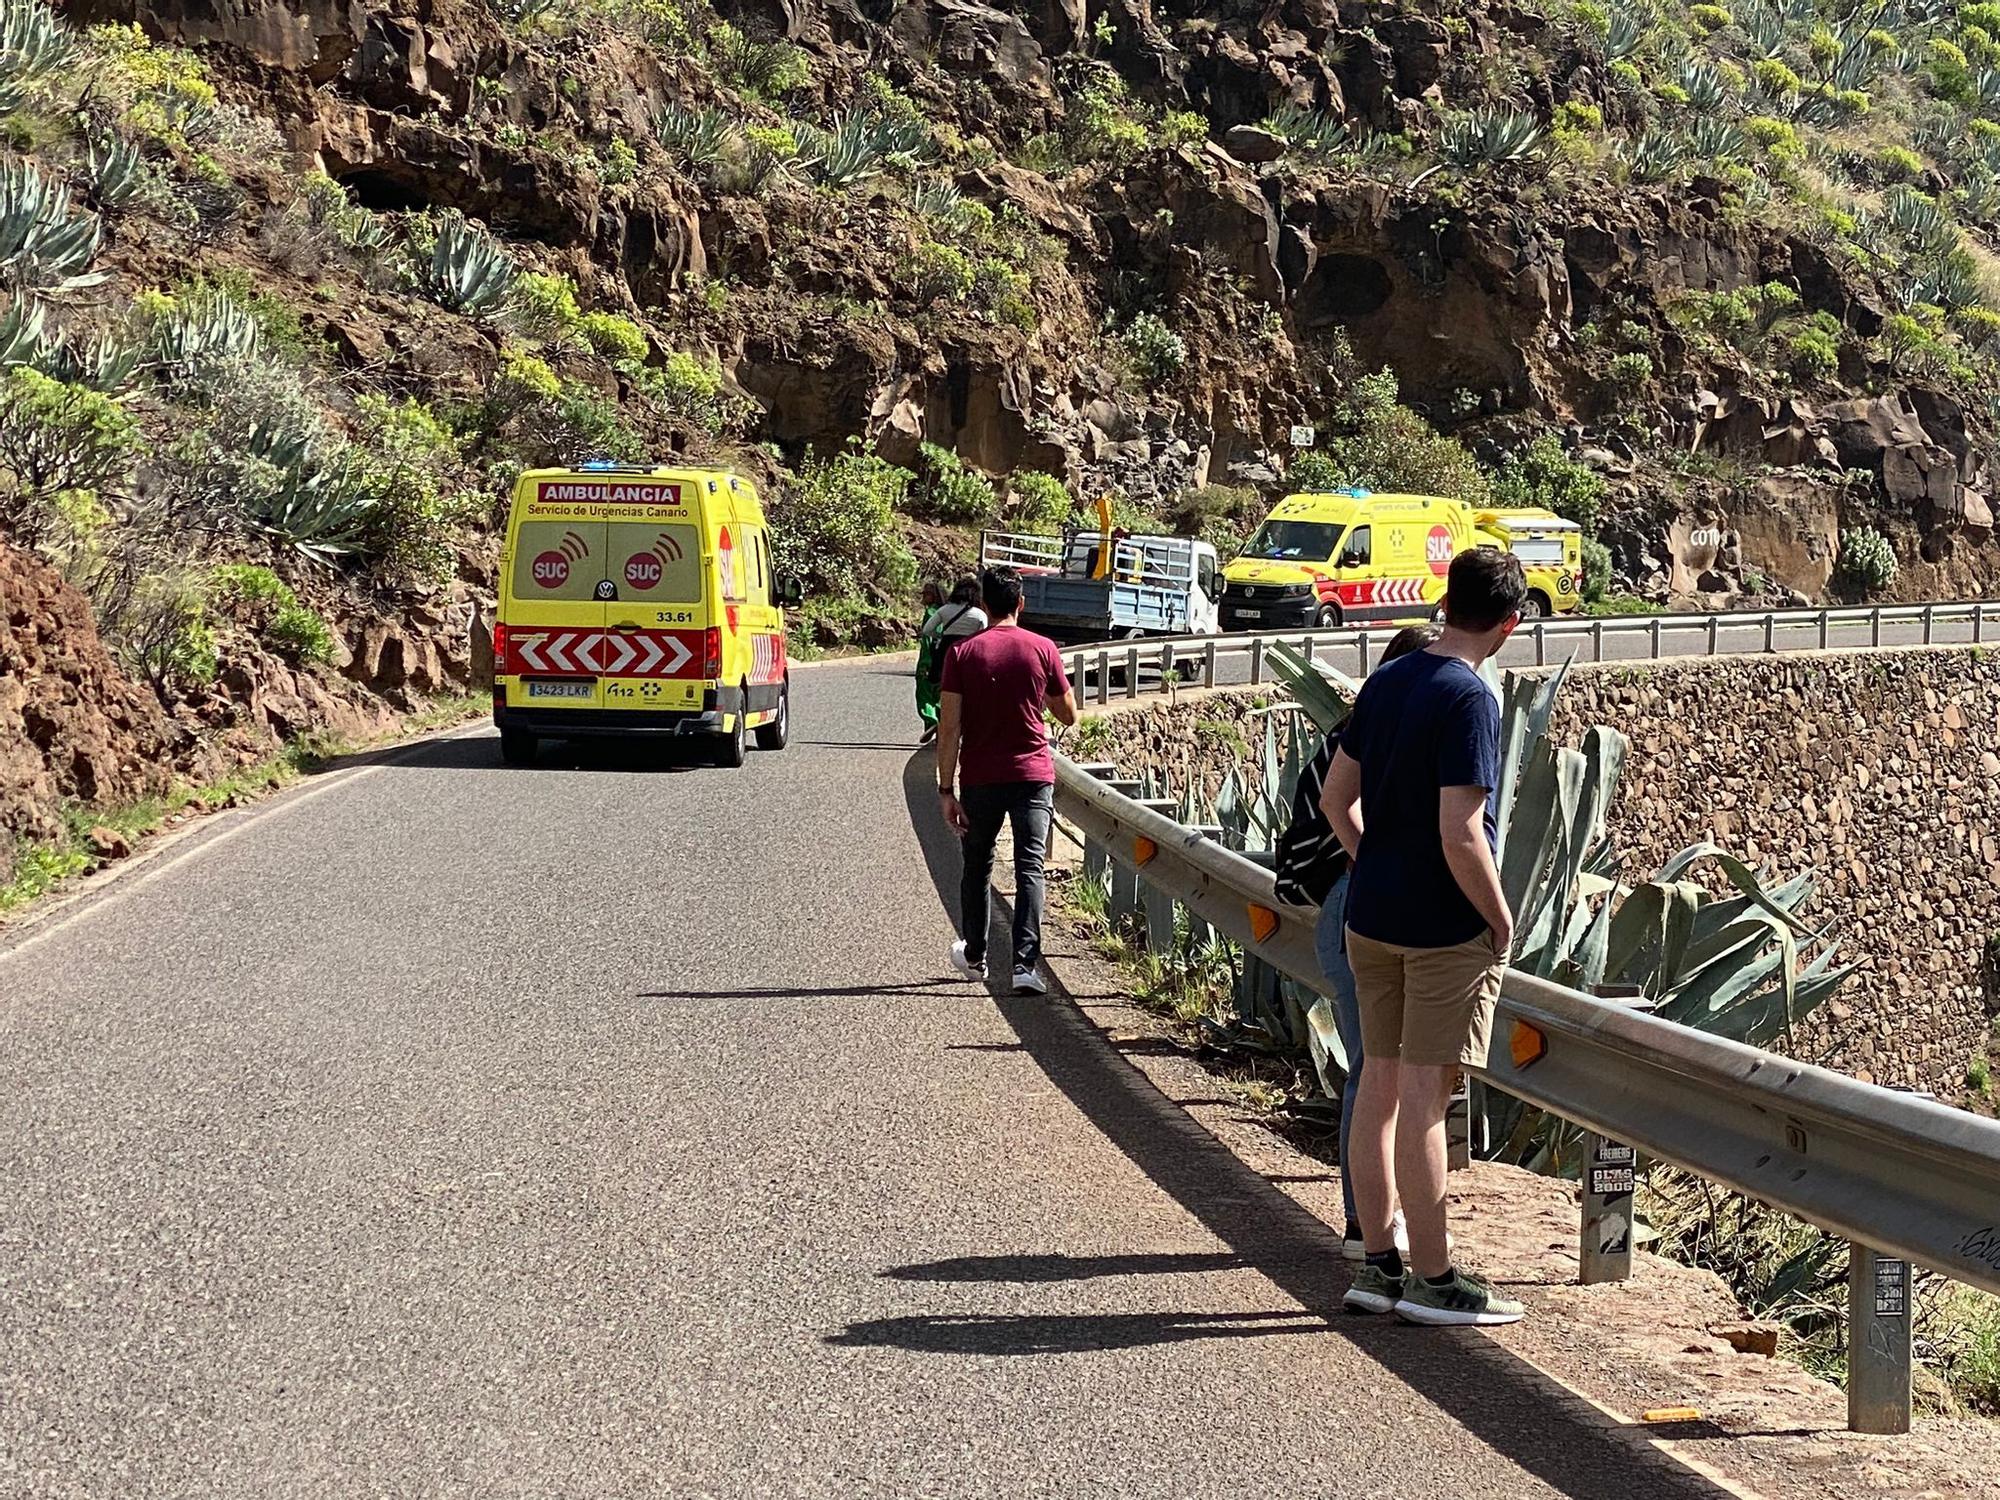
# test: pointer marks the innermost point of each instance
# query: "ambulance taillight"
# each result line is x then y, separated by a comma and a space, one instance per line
500, 665
711, 652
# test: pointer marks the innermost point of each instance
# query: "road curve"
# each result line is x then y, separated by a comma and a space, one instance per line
607, 1128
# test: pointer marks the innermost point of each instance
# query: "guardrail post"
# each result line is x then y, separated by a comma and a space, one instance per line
1131, 671
1103, 677
1256, 660
1157, 904
1597, 640
1875, 626
1095, 856
1656, 637
1208, 665
1123, 895
1714, 633
1770, 631
1822, 630
1541, 645
1878, 1342
1609, 1173
1458, 1126
1306, 644
1929, 612
1199, 931
1167, 677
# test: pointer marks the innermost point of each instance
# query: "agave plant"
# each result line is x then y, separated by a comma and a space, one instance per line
1312, 132
1655, 156
1952, 282
114, 171
1742, 965
33, 42
103, 361
45, 245
1711, 138
468, 271
861, 146
697, 138
1627, 29
317, 507
205, 329
942, 205
21, 339
1489, 138
1924, 223
1705, 87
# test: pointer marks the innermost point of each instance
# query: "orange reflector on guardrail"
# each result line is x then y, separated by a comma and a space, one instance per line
1143, 850
1263, 923
1526, 1044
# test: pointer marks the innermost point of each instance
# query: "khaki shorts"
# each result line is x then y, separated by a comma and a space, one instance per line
1428, 1006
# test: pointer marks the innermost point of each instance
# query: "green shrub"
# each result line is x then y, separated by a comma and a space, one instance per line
1155, 350
1985, 15
948, 492
56, 438
685, 387
543, 307
1814, 354
1774, 78
766, 70
300, 633
940, 273
250, 586
1038, 503
1596, 570
834, 526
615, 338
1546, 477
1313, 473
409, 465
1183, 128
1630, 372
617, 163
1866, 558
165, 633
1898, 164
1779, 138
1388, 448
1710, 17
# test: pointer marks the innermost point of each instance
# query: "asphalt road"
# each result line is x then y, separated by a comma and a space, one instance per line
606, 1129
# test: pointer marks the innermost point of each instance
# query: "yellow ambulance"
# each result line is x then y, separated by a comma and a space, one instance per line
639, 601
1355, 558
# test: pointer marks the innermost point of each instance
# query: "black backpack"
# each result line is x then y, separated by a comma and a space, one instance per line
1309, 856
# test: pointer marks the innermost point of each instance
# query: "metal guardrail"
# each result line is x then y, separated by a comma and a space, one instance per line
1356, 649
1900, 1176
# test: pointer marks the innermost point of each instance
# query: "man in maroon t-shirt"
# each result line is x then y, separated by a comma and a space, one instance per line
995, 686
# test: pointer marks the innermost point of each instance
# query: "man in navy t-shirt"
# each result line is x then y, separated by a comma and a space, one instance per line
1428, 930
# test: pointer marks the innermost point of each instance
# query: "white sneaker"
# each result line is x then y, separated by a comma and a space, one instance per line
1028, 982
965, 965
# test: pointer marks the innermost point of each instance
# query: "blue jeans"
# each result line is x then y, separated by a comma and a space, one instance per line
1331, 943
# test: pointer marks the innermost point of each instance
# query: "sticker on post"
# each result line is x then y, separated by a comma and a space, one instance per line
1611, 1182
1614, 1235
1610, 1153
1892, 1288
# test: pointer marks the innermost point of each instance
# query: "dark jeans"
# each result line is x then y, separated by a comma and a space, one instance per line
1028, 805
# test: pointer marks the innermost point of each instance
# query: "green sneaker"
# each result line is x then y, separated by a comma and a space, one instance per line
1373, 1290
1466, 1301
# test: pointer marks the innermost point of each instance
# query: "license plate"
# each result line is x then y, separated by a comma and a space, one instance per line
567, 689
1250, 614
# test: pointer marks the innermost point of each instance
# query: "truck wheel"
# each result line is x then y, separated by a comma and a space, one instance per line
1328, 617
732, 749
775, 735
517, 747
1535, 606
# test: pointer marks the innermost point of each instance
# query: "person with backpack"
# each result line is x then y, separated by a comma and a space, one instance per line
1411, 795
958, 617
1312, 870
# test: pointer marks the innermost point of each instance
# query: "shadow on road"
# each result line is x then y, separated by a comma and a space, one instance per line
1024, 1268
1501, 1399
793, 992
1026, 1333
481, 752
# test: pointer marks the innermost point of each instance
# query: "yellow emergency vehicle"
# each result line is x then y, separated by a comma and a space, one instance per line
1355, 558
639, 601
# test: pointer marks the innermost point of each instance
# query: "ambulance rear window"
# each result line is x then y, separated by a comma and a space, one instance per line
647, 560
1538, 551
558, 559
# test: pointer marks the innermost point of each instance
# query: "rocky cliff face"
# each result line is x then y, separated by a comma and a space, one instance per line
1130, 247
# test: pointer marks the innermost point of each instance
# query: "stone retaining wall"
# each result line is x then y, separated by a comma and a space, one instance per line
1880, 770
